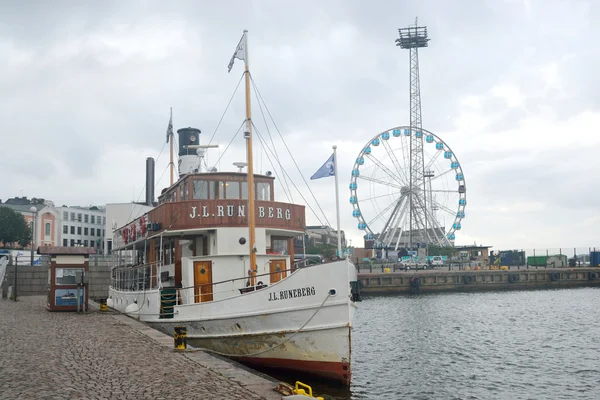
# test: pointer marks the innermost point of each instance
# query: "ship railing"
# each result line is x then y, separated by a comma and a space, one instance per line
305, 262
136, 277
234, 287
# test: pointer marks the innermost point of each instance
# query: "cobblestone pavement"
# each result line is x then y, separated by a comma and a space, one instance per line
65, 355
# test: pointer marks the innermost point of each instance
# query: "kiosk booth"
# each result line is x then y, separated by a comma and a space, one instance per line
67, 277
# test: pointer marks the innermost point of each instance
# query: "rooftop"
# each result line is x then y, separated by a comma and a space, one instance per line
23, 207
63, 250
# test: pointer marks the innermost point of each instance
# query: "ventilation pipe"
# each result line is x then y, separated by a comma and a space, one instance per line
149, 181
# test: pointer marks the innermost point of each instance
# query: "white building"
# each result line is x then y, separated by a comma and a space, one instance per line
318, 235
82, 226
119, 215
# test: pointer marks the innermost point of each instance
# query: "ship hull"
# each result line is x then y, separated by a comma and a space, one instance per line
302, 323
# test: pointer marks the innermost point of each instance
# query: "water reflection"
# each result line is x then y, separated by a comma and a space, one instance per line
513, 345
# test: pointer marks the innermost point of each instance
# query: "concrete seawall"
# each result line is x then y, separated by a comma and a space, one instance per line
33, 281
431, 281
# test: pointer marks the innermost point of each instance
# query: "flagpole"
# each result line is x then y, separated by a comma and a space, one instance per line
172, 164
337, 200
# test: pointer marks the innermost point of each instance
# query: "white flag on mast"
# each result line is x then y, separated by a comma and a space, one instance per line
240, 52
170, 126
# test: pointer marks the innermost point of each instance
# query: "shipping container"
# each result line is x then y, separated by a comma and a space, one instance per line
594, 258
537, 261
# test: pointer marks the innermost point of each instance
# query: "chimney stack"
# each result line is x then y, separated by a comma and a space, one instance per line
150, 181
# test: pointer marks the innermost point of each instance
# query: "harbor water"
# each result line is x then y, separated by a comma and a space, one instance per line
496, 345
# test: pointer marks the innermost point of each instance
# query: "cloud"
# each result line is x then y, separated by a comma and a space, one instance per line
86, 93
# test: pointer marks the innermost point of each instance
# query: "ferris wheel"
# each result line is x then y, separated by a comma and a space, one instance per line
405, 201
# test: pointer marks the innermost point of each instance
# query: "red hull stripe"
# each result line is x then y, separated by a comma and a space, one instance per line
337, 371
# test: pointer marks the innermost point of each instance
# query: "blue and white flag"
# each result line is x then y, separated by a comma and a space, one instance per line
328, 169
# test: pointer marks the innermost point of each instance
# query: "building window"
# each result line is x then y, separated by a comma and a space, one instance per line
85, 231
65, 242
98, 233
72, 230
104, 219
78, 217
79, 241
72, 216
79, 231
232, 190
72, 242
85, 243
92, 232
65, 229
86, 218
66, 276
66, 215
103, 232
48, 228
93, 219
91, 243
201, 190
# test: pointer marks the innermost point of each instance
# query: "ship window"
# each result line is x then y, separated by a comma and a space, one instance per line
181, 193
201, 190
220, 188
263, 191
244, 190
211, 189
232, 190
280, 246
187, 191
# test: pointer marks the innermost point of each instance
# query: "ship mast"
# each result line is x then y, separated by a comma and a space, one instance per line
241, 53
248, 136
170, 139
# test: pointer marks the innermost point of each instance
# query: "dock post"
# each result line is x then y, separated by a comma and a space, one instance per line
180, 337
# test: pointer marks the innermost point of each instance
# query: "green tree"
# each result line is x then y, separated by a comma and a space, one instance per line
13, 228
435, 250
328, 251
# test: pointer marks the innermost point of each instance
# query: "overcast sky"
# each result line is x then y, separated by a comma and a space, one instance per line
512, 86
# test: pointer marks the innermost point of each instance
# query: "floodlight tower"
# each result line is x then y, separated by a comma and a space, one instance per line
412, 38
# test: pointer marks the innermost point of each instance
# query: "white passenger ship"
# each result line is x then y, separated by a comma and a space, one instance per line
217, 256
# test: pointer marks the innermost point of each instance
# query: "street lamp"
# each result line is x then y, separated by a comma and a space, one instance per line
34, 212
